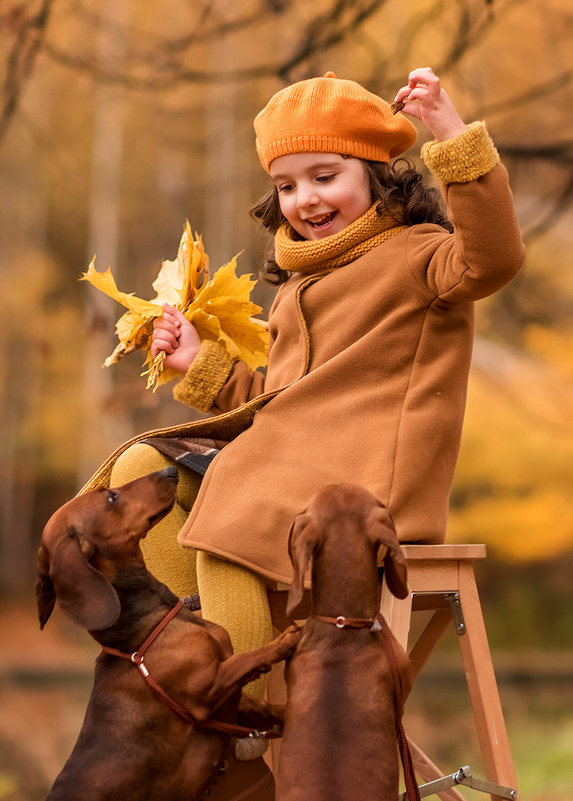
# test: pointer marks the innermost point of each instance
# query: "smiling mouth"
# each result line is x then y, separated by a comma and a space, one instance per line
322, 221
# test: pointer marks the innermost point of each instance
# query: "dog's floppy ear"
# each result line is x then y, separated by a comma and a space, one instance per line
305, 534
381, 531
83, 593
45, 593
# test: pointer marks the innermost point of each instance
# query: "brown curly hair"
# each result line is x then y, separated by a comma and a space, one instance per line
398, 187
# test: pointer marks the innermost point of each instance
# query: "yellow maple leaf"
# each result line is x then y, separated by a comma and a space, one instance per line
220, 308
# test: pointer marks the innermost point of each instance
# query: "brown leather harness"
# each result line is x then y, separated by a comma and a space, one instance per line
376, 623
138, 659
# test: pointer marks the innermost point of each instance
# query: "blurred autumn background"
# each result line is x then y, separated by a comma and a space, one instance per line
118, 121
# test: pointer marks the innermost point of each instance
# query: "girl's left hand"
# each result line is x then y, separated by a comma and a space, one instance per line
174, 334
425, 99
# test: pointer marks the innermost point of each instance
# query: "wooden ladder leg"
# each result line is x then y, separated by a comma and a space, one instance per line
397, 613
482, 686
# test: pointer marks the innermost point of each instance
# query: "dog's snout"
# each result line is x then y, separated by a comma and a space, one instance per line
169, 472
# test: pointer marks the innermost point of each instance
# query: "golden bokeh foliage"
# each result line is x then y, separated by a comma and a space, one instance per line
514, 477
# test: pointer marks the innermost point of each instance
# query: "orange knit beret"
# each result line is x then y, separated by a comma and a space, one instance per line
330, 115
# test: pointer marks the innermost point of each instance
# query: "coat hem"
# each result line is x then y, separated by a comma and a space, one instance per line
269, 575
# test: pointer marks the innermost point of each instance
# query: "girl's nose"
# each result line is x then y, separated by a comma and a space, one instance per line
306, 196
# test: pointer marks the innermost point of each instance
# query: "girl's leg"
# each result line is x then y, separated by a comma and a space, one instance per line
236, 598
164, 557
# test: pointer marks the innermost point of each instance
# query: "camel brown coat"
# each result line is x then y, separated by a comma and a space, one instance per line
367, 378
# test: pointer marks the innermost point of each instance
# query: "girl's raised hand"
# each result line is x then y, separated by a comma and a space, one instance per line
425, 99
174, 334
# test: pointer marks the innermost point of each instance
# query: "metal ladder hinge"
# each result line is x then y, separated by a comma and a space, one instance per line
464, 777
455, 603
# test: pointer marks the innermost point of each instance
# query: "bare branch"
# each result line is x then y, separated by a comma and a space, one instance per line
29, 32
540, 91
322, 32
158, 82
471, 32
226, 27
556, 153
329, 29
558, 208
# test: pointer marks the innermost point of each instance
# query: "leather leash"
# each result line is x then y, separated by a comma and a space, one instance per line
378, 623
138, 659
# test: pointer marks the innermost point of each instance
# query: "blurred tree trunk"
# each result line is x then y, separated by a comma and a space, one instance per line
104, 425
220, 164
19, 468
22, 236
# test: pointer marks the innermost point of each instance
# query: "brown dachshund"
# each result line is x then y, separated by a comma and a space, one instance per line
134, 744
339, 741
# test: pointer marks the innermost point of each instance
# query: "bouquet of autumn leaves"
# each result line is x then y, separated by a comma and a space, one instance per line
219, 308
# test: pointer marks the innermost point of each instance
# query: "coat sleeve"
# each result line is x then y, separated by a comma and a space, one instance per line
486, 250
215, 382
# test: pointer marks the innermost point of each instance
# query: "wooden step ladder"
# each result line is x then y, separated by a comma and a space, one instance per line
442, 582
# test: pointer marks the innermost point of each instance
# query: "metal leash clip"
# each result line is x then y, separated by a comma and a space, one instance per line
137, 660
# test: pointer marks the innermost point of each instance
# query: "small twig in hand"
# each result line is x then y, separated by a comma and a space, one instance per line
396, 107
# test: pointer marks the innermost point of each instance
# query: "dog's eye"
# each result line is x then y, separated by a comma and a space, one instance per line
112, 497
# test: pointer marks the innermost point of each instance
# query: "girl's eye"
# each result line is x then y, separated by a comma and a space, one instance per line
285, 188
325, 179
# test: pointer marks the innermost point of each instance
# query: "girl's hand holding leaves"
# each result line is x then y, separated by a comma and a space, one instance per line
219, 309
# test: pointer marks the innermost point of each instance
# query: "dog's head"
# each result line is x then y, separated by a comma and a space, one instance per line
366, 516
88, 538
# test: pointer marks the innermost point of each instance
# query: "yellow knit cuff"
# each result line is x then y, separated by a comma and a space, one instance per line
205, 376
464, 158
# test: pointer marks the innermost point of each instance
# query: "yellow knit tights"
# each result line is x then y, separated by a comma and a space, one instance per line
236, 598
231, 595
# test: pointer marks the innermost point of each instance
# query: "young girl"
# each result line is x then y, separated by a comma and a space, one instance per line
370, 339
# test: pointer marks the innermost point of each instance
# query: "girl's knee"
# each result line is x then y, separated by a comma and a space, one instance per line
236, 598
138, 460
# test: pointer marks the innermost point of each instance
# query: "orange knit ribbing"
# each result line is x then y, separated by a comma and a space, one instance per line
306, 256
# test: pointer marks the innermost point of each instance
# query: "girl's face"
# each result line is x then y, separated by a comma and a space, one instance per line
320, 193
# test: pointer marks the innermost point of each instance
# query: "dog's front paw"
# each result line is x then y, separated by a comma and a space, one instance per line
289, 639
258, 713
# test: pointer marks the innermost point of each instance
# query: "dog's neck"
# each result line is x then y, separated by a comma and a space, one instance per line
143, 603
355, 595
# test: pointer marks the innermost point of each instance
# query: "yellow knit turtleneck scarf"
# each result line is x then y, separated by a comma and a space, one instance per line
307, 256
